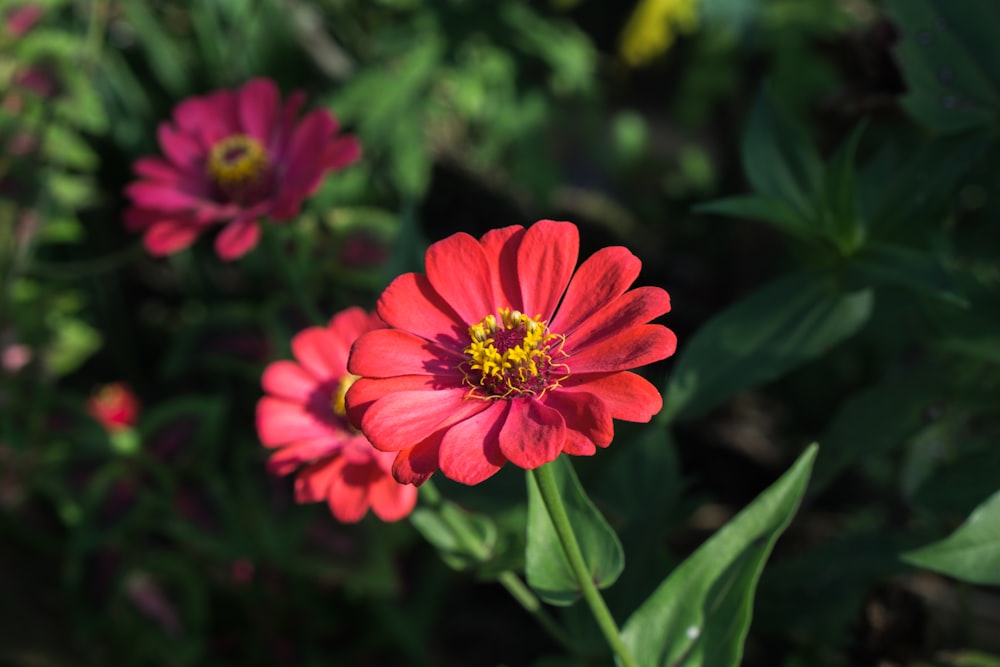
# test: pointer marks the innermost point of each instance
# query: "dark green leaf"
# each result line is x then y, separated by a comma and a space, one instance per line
546, 566
700, 614
449, 528
884, 264
767, 209
775, 329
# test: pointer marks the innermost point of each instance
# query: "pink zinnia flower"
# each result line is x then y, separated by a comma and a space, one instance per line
114, 406
303, 417
233, 157
19, 19
501, 353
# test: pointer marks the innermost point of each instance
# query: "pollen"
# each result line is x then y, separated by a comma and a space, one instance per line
237, 165
511, 355
337, 403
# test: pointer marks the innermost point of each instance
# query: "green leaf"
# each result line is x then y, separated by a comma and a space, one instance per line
780, 159
774, 330
885, 264
546, 566
700, 614
763, 208
971, 553
445, 525
841, 203
951, 62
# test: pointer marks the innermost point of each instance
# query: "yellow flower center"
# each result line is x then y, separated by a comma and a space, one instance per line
512, 356
337, 400
237, 164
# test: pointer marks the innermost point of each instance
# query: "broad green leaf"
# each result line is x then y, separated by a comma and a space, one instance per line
168, 59
546, 566
951, 62
774, 330
958, 486
780, 160
884, 264
464, 540
971, 553
840, 196
699, 615
763, 208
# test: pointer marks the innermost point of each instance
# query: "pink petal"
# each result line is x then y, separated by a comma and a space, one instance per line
402, 419
320, 353
139, 218
157, 169
167, 236
341, 152
257, 104
288, 457
631, 348
280, 422
312, 484
388, 352
366, 391
180, 148
458, 270
286, 379
392, 501
470, 451
635, 307
416, 464
500, 247
533, 434
285, 128
304, 153
627, 395
237, 238
601, 279
411, 304
162, 197
585, 413
210, 118
348, 492
545, 261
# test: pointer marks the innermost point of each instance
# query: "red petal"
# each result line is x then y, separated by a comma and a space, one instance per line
280, 422
628, 396
458, 270
347, 325
601, 279
577, 444
288, 457
470, 450
629, 349
500, 246
392, 501
258, 104
585, 413
286, 379
312, 484
533, 434
635, 307
167, 236
348, 492
237, 238
366, 391
411, 304
320, 353
402, 419
416, 464
386, 353
545, 261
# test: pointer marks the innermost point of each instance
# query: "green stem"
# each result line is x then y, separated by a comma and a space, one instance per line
549, 491
273, 242
508, 578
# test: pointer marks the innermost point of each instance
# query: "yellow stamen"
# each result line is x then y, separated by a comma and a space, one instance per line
237, 161
337, 401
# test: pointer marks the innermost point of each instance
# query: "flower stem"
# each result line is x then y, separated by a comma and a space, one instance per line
560, 519
274, 244
508, 578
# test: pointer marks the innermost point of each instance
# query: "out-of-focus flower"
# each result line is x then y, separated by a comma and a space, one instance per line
19, 19
231, 158
653, 27
303, 418
14, 357
114, 406
148, 598
501, 353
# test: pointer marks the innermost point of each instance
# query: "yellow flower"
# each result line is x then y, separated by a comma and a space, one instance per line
653, 26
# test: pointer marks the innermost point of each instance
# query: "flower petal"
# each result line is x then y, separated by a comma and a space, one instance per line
416, 464
286, 379
237, 238
470, 450
458, 270
500, 246
162, 197
210, 118
389, 352
366, 391
602, 278
411, 304
312, 484
341, 152
257, 105
628, 396
545, 261
320, 353
390, 500
288, 457
584, 413
168, 236
628, 349
635, 307
402, 419
533, 434
180, 148
348, 492
280, 422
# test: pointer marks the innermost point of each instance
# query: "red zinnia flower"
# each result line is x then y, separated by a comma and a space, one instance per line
500, 353
231, 158
114, 406
304, 418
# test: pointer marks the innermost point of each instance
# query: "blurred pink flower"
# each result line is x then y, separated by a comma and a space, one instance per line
303, 418
14, 357
19, 19
232, 157
114, 406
